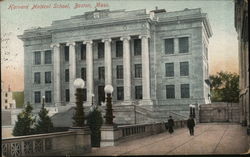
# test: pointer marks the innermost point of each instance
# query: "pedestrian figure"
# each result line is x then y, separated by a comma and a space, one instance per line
170, 125
190, 125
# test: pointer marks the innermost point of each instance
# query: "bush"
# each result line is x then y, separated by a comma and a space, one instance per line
94, 122
44, 123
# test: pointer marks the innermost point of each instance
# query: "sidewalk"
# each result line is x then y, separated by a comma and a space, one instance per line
209, 138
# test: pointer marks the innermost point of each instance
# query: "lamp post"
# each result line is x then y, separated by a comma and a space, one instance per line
79, 113
93, 99
192, 110
109, 111
43, 101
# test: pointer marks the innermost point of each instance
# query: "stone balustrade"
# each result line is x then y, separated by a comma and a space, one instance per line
71, 142
113, 135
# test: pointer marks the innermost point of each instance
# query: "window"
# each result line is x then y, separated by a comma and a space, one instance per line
137, 47
6, 101
119, 48
37, 97
120, 93
138, 71
37, 58
183, 45
185, 91
66, 53
67, 98
48, 77
66, 75
101, 72
83, 73
47, 57
138, 92
100, 50
37, 79
84, 94
169, 69
48, 96
83, 52
6, 94
184, 69
170, 91
169, 46
119, 72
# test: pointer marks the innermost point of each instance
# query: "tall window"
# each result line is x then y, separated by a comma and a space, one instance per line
48, 77
37, 78
83, 52
83, 73
138, 71
169, 46
100, 50
138, 92
66, 53
37, 96
67, 97
66, 75
84, 94
183, 45
101, 73
185, 91
184, 68
37, 57
47, 57
119, 48
170, 91
119, 72
137, 47
120, 93
48, 96
169, 69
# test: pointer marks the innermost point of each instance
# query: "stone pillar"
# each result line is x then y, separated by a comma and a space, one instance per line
176, 45
107, 61
56, 74
110, 135
72, 70
145, 68
89, 60
126, 68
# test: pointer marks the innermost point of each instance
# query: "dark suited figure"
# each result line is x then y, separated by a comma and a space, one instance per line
170, 125
190, 125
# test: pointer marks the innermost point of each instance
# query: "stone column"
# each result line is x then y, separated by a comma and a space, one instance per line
126, 68
72, 70
145, 67
56, 74
176, 45
107, 61
89, 60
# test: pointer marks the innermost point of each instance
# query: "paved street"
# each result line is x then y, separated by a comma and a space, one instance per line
208, 139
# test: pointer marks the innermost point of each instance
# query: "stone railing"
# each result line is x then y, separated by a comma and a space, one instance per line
71, 142
111, 135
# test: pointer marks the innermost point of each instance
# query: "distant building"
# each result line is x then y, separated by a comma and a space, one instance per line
155, 58
7, 101
241, 25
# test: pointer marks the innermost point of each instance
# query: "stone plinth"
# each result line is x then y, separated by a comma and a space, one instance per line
109, 135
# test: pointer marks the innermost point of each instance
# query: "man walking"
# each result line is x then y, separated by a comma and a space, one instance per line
170, 125
190, 125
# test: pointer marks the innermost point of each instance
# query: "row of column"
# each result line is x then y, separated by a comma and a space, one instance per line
108, 68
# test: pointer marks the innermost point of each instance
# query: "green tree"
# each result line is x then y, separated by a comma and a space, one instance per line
225, 87
44, 123
94, 122
25, 121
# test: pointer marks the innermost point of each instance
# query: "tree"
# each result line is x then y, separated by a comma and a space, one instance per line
24, 123
94, 122
44, 123
225, 87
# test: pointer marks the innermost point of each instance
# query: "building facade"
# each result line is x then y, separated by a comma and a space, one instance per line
241, 25
155, 58
7, 101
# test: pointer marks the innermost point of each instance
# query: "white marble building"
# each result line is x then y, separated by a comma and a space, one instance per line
7, 101
154, 58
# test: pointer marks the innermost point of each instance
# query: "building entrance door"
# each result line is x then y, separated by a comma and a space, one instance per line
101, 95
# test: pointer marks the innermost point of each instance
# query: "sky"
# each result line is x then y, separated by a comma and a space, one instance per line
16, 17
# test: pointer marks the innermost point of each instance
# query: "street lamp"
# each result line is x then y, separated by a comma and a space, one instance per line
93, 99
109, 111
79, 113
192, 110
43, 101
